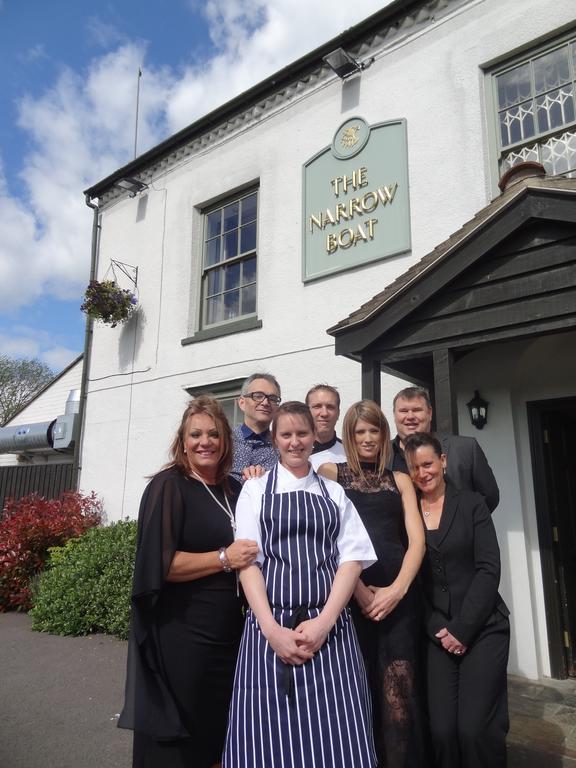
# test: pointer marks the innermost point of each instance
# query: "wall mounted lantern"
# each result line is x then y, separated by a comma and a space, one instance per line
131, 185
344, 65
478, 409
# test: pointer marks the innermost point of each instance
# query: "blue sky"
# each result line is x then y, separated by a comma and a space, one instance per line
67, 104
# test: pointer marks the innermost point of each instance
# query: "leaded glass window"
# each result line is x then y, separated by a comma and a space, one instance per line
229, 260
535, 101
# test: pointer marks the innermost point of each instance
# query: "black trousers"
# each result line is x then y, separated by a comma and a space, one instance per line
468, 701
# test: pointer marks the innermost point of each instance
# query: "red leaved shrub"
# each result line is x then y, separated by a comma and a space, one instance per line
30, 526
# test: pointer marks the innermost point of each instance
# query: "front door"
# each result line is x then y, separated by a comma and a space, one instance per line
553, 444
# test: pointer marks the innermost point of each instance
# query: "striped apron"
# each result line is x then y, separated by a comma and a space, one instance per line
317, 715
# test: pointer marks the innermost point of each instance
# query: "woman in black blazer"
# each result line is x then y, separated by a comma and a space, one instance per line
466, 619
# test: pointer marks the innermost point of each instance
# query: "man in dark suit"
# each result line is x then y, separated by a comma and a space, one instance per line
467, 465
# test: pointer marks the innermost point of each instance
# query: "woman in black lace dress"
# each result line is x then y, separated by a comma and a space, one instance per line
386, 610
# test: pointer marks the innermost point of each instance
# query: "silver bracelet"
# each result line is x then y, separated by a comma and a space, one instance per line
226, 567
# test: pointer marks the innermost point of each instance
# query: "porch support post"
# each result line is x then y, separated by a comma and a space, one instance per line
444, 394
371, 379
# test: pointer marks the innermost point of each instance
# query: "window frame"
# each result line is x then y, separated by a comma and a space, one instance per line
528, 54
222, 391
240, 258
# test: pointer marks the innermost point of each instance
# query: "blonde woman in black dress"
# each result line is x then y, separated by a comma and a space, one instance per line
386, 613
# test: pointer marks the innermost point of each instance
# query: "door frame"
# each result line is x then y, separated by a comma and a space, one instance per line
552, 599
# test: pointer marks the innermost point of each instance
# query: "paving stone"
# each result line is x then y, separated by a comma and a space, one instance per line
519, 705
566, 715
69, 720
541, 734
523, 757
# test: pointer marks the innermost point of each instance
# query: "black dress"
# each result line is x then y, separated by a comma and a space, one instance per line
185, 635
391, 646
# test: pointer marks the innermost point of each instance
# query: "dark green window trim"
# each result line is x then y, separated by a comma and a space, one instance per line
226, 329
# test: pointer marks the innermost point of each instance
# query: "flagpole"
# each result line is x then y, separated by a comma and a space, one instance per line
137, 107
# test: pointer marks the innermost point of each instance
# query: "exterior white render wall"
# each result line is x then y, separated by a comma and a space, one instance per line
508, 377
139, 371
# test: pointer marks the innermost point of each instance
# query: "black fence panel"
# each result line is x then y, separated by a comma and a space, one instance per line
48, 480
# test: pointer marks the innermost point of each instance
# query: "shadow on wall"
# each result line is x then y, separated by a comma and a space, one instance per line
350, 94
141, 209
130, 341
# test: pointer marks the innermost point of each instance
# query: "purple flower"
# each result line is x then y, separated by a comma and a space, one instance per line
107, 302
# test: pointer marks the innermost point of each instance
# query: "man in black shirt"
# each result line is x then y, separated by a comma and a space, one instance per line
324, 403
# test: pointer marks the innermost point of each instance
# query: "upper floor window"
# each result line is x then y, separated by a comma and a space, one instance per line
229, 260
535, 101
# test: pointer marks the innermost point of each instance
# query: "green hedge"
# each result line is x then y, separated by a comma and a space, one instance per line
86, 585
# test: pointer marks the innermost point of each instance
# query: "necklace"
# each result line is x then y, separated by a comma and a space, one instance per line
426, 506
226, 508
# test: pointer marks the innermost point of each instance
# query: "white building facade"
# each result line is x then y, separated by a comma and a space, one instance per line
228, 285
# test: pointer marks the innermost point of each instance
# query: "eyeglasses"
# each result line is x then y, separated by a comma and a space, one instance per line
259, 397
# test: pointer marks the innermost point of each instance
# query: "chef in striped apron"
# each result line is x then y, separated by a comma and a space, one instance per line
300, 697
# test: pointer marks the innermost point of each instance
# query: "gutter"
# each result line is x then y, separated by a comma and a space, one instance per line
356, 34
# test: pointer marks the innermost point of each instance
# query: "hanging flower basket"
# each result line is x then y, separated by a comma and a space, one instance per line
108, 303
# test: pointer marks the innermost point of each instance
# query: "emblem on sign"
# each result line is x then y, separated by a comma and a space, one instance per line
351, 137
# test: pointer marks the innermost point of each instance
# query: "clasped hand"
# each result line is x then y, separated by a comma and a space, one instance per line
376, 602
241, 553
297, 646
451, 643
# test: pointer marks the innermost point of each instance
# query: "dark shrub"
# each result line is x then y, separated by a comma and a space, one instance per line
28, 528
87, 583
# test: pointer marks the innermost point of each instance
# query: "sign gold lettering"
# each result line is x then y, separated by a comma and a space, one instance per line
355, 206
347, 210
349, 237
358, 179
386, 194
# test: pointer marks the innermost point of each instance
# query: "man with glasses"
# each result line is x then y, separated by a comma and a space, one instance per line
259, 400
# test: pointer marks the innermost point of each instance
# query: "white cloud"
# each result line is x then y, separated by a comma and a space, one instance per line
81, 131
34, 53
102, 34
58, 357
82, 128
28, 342
19, 346
255, 38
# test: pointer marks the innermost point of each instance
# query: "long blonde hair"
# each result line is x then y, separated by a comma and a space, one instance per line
369, 411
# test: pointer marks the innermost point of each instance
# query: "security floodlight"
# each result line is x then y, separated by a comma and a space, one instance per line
344, 65
131, 185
